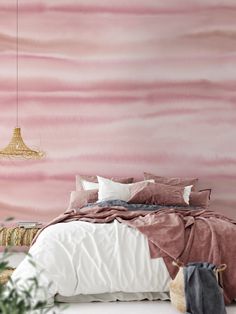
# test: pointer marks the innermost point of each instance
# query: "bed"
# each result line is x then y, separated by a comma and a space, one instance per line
117, 241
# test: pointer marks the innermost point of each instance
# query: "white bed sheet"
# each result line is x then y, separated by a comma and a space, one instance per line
115, 296
84, 258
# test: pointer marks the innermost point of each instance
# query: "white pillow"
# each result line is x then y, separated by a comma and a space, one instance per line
87, 185
110, 190
186, 195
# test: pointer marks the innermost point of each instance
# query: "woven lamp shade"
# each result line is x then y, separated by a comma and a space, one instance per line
18, 149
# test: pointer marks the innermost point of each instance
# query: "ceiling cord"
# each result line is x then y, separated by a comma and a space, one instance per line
17, 63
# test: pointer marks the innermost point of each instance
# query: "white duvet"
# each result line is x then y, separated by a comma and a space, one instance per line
84, 258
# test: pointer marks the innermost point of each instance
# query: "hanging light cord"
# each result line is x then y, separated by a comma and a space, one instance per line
17, 63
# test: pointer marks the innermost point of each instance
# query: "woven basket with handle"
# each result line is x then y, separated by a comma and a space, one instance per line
177, 287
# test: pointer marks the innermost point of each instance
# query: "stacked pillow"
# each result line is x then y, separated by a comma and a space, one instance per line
155, 190
79, 199
110, 190
200, 198
162, 194
197, 199
87, 190
171, 181
91, 182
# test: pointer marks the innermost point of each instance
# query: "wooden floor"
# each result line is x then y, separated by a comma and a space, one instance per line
158, 307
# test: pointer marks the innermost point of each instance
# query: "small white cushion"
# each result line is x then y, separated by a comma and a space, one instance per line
186, 195
110, 190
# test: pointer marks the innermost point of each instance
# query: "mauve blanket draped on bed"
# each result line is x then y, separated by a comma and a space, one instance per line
175, 234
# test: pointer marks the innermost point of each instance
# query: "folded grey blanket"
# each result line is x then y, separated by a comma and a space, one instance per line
202, 292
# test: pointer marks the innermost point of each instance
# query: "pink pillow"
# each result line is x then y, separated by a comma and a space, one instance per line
172, 181
79, 199
200, 199
80, 178
159, 194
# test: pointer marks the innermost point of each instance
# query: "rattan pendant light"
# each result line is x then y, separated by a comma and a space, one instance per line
17, 148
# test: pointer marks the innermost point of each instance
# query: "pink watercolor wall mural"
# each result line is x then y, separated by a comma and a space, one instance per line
118, 88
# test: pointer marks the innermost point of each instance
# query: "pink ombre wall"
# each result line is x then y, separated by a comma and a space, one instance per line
117, 88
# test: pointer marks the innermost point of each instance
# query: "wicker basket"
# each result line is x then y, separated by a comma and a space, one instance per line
177, 294
177, 287
5, 275
16, 236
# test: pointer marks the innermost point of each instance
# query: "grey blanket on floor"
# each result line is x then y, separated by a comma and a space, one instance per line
202, 292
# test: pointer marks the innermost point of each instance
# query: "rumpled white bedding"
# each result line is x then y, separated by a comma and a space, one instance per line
84, 258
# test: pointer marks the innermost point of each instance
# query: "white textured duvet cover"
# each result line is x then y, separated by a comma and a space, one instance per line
85, 258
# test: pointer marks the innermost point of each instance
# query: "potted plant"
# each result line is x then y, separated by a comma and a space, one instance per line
15, 299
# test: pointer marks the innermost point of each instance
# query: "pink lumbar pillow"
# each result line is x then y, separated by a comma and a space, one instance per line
161, 194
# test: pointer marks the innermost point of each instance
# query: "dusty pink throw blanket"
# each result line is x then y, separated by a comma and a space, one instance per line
183, 235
